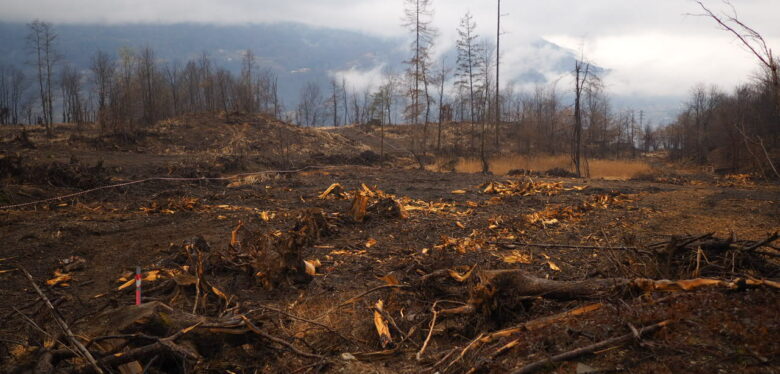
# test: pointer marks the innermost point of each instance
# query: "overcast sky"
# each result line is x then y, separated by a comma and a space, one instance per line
652, 47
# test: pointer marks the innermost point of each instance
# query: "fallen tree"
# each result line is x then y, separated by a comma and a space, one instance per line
507, 288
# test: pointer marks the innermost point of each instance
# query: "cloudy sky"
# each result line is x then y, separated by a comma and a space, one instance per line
652, 47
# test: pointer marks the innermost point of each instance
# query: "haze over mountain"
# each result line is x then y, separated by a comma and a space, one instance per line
296, 52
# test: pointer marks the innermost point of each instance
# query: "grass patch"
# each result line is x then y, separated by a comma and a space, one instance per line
607, 169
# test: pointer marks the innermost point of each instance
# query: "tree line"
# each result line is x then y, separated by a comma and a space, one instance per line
126, 92
132, 89
732, 131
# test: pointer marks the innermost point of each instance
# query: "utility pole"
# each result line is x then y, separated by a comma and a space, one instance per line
641, 126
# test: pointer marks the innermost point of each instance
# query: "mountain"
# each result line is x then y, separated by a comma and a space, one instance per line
298, 53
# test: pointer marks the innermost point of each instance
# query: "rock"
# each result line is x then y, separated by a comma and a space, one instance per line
585, 369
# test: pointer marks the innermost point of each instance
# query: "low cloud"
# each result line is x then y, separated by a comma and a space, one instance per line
361, 80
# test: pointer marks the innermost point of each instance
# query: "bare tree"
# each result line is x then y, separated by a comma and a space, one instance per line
358, 105
173, 77
12, 87
440, 79
485, 103
384, 100
207, 81
334, 101
418, 15
103, 68
753, 41
597, 113
225, 89
192, 82
309, 104
344, 104
72, 102
469, 62
581, 71
266, 92
5, 95
246, 98
41, 40
18, 84
148, 78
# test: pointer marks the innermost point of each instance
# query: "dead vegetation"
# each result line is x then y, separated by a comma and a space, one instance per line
360, 269
200, 315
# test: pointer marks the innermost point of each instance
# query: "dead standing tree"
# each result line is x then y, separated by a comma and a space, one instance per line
246, 98
309, 106
468, 66
73, 106
485, 105
581, 72
148, 79
440, 79
12, 87
41, 40
417, 20
103, 69
334, 101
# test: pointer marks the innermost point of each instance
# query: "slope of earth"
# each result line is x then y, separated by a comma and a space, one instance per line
188, 145
396, 286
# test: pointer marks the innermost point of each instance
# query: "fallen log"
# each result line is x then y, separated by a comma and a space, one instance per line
514, 245
511, 287
508, 288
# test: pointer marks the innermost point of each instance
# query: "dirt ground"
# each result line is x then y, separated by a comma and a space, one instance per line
449, 222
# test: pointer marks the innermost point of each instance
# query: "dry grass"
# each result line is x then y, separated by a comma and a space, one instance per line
607, 169
619, 169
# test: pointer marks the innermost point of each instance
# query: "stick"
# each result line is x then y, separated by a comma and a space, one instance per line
430, 332
513, 245
35, 325
149, 364
762, 243
64, 326
530, 368
574, 246
493, 355
463, 352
